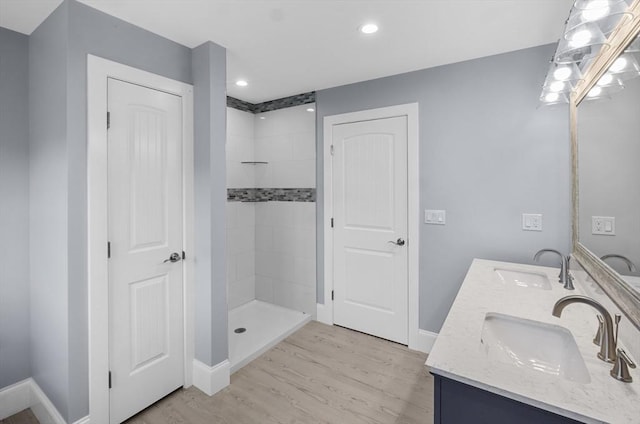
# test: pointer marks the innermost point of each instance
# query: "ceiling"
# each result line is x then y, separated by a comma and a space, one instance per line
293, 46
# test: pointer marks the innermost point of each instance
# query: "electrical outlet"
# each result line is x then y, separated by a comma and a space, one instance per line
532, 221
603, 225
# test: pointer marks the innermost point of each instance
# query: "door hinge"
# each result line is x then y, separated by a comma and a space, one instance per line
109, 379
108, 120
184, 255
331, 294
108, 249
331, 150
331, 222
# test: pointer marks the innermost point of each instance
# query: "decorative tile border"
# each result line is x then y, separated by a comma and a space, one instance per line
271, 105
240, 105
271, 194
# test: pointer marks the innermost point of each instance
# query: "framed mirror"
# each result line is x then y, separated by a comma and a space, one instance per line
605, 132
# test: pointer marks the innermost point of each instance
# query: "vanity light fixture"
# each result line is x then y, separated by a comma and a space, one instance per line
242, 83
580, 38
556, 86
552, 97
589, 24
369, 28
594, 10
619, 64
595, 92
562, 73
605, 80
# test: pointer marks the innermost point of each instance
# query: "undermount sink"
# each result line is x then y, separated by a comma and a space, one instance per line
536, 280
541, 347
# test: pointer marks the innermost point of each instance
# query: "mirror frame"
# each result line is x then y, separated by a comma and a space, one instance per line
610, 281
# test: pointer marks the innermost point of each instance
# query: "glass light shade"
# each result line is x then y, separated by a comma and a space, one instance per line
567, 73
634, 47
625, 67
581, 43
550, 98
604, 92
604, 13
595, 4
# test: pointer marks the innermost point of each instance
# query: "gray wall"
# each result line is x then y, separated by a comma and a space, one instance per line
487, 154
58, 115
210, 98
48, 218
14, 208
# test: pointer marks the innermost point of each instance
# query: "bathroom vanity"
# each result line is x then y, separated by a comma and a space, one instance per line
502, 357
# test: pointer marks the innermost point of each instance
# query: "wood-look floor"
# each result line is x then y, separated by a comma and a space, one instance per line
23, 417
320, 374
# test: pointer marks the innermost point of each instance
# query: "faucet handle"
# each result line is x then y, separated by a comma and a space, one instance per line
616, 319
621, 367
597, 340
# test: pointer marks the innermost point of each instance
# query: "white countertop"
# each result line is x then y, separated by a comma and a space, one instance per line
458, 354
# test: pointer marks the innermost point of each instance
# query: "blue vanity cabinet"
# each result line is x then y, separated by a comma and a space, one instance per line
458, 403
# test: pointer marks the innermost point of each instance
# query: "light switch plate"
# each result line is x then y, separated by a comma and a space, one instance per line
532, 221
433, 216
603, 225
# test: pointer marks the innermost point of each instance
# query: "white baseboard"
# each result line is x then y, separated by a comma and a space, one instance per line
27, 394
423, 342
15, 398
323, 314
211, 379
42, 407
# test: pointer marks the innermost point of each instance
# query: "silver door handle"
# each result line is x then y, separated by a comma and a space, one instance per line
175, 257
398, 242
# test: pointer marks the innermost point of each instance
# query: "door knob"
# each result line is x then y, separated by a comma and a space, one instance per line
398, 242
175, 257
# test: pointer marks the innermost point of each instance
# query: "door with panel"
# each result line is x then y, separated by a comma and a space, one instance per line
145, 231
369, 178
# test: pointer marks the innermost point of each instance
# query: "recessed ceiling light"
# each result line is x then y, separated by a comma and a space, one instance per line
369, 28
262, 117
310, 109
241, 83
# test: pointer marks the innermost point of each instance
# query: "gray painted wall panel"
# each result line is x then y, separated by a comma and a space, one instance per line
59, 49
209, 74
487, 154
48, 219
14, 208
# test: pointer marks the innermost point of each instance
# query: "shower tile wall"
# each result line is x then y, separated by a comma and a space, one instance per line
285, 231
241, 248
271, 244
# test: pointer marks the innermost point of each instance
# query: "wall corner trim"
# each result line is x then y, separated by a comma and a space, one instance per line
424, 341
323, 314
211, 379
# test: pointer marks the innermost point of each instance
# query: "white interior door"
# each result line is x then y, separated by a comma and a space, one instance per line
370, 227
145, 229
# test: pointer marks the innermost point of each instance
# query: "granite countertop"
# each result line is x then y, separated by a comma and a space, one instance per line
459, 355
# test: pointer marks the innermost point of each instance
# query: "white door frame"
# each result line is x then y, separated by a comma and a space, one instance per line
98, 70
325, 312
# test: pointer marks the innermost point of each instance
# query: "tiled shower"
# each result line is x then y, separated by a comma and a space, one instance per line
271, 265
